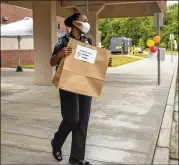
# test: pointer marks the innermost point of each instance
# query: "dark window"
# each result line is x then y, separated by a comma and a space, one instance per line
58, 26
4, 20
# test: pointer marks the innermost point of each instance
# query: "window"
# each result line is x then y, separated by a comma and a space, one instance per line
58, 26
5, 19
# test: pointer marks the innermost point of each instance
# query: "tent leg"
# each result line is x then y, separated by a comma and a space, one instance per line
19, 68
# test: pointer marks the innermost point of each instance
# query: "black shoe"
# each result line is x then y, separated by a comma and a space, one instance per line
79, 162
57, 154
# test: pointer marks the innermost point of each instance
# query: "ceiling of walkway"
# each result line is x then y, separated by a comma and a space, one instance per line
112, 9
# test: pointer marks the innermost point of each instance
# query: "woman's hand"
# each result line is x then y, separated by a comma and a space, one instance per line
54, 61
65, 51
110, 62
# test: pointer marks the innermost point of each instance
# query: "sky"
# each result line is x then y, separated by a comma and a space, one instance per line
171, 2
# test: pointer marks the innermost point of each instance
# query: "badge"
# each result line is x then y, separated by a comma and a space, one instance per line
59, 43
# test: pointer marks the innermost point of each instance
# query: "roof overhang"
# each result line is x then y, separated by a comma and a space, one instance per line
62, 12
113, 9
163, 6
121, 8
130, 10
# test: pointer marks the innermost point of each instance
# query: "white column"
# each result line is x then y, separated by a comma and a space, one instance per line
99, 38
44, 19
93, 20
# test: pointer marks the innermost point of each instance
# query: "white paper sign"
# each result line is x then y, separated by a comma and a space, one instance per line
171, 36
85, 54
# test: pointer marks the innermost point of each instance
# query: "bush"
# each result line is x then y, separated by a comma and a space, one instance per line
162, 45
141, 43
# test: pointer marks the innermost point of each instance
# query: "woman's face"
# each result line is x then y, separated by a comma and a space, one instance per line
81, 18
82, 24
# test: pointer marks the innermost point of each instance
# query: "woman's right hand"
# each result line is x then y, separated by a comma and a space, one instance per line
65, 51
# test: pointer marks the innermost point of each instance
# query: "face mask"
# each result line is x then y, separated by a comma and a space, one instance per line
84, 27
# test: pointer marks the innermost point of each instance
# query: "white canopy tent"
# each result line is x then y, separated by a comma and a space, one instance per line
21, 29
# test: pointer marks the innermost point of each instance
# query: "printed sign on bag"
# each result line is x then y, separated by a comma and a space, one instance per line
85, 54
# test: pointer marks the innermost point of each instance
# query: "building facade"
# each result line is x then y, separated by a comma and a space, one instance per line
9, 56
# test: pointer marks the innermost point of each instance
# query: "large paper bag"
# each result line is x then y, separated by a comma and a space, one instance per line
83, 72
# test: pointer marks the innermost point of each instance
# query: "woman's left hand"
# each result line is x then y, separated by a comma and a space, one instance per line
110, 62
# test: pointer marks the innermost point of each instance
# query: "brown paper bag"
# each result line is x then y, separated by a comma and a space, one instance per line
79, 76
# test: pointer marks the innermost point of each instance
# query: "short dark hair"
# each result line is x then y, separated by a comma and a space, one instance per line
69, 20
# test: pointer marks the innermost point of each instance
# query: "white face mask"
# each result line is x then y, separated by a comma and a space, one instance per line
85, 26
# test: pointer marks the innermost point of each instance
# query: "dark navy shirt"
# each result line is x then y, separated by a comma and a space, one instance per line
63, 42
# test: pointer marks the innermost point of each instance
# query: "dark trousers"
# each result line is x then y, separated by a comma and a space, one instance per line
75, 111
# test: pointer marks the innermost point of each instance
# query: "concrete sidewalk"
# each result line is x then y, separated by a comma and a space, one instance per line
124, 124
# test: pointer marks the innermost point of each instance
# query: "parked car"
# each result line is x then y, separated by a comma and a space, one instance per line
120, 45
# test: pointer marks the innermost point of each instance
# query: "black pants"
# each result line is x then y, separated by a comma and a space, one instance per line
75, 110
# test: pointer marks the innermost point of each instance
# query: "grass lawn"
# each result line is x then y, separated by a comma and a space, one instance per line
116, 61
28, 66
169, 52
121, 60
142, 55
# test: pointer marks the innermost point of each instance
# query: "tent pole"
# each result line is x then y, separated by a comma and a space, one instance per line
19, 68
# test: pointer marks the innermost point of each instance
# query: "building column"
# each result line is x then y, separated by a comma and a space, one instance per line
92, 14
99, 38
44, 26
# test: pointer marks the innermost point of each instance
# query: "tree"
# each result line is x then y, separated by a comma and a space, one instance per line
141, 43
170, 25
140, 29
162, 45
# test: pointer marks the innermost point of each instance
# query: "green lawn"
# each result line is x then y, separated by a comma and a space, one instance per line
28, 66
169, 52
116, 61
121, 60
142, 55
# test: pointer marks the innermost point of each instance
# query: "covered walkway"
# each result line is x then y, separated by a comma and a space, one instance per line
44, 16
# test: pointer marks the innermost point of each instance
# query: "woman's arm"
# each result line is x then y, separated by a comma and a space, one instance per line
55, 60
59, 51
110, 62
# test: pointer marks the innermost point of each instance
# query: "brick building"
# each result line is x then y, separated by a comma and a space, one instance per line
9, 14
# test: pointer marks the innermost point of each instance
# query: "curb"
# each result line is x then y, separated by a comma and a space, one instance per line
162, 151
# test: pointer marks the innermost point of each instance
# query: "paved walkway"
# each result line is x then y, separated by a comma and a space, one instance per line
124, 122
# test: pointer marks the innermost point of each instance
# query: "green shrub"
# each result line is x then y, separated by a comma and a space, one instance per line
162, 45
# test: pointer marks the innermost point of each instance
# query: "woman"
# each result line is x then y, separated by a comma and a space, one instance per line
75, 108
